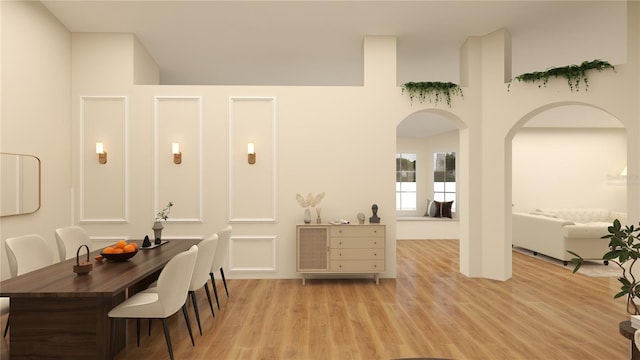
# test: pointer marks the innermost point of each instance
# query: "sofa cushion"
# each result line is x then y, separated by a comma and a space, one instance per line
579, 215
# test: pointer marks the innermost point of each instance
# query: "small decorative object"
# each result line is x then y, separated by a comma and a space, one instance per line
624, 251
574, 74
318, 218
425, 90
157, 225
310, 201
360, 218
146, 242
374, 219
84, 267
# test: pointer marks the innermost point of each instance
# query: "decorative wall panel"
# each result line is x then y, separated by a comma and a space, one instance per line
103, 187
252, 253
178, 120
252, 187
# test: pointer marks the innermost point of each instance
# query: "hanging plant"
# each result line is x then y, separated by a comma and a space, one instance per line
573, 73
432, 91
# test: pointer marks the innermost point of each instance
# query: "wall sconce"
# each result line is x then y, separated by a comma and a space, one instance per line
102, 155
177, 155
251, 153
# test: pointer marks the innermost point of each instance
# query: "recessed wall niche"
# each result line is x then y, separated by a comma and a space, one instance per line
103, 186
178, 120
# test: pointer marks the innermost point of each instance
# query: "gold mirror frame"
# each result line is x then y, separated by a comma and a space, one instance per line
18, 176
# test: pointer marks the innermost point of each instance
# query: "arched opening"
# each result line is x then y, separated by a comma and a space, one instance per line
565, 156
428, 142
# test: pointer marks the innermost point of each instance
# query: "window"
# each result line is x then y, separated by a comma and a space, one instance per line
444, 177
406, 195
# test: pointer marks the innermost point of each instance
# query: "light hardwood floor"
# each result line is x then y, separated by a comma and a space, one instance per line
430, 310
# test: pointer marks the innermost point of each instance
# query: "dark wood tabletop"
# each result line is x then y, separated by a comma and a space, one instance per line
107, 277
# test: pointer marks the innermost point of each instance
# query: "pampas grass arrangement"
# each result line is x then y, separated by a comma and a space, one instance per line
310, 200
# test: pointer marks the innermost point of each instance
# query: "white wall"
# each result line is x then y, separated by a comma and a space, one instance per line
36, 113
340, 140
565, 168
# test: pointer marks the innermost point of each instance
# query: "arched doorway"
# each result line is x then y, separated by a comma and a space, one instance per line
421, 138
567, 155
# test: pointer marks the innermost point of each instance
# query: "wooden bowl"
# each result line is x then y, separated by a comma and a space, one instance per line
120, 257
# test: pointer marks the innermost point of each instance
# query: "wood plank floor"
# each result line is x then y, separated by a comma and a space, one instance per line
430, 310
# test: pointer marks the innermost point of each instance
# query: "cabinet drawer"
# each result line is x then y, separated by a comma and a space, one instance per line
357, 243
357, 231
357, 266
357, 254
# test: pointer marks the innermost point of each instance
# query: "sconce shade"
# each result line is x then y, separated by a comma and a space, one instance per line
102, 155
251, 153
177, 155
624, 172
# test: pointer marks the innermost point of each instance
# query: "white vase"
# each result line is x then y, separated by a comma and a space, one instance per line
307, 216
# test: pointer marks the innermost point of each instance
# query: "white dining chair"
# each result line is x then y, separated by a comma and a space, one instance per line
69, 239
163, 301
220, 259
4, 309
27, 253
200, 278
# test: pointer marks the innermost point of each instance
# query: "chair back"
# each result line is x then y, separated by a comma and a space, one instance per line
222, 250
174, 280
69, 239
27, 253
206, 250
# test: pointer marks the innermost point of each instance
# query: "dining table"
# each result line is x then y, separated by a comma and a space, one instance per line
58, 314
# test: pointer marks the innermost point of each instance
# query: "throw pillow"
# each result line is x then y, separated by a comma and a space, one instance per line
444, 208
432, 209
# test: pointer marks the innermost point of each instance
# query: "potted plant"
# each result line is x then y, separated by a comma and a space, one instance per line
162, 215
624, 251
574, 74
429, 90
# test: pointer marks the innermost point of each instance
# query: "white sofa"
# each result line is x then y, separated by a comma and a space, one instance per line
554, 231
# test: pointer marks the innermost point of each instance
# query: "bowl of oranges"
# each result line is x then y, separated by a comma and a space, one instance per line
120, 251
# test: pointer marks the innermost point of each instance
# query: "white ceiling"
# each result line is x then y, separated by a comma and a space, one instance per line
319, 43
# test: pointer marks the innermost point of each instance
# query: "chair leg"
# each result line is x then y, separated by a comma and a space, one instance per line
149, 327
138, 332
195, 308
165, 325
206, 289
224, 281
186, 319
215, 290
6, 327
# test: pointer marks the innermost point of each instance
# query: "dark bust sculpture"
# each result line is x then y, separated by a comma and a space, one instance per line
374, 219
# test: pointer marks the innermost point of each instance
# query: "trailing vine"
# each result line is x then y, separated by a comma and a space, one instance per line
436, 91
574, 74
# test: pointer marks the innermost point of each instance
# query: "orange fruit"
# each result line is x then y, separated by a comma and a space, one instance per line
135, 245
120, 244
118, 251
108, 250
129, 248
99, 257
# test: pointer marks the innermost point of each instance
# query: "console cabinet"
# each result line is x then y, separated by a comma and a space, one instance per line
340, 249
